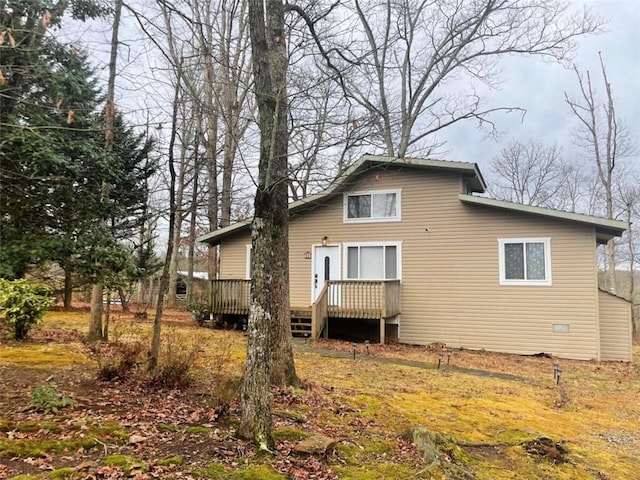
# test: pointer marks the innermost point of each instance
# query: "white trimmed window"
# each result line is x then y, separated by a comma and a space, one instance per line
249, 271
525, 261
372, 206
373, 261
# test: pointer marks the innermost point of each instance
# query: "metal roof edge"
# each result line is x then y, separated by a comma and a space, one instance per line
224, 232
616, 295
605, 223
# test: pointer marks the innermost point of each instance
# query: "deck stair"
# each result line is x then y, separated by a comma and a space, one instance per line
301, 322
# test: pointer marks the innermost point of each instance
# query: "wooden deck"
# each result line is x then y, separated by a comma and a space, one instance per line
360, 299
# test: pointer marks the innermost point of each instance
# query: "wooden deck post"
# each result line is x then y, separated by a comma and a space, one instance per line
383, 310
314, 320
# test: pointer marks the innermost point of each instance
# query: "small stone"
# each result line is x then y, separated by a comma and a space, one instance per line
315, 445
423, 439
136, 439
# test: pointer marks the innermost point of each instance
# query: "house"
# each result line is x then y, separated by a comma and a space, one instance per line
408, 244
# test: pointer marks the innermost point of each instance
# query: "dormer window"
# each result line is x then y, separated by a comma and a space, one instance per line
372, 206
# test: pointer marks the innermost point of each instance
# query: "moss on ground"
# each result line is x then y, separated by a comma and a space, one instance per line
63, 473
379, 471
48, 356
196, 430
42, 444
165, 462
290, 434
217, 471
24, 448
125, 462
33, 426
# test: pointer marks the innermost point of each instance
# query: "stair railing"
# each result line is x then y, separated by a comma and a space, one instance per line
320, 313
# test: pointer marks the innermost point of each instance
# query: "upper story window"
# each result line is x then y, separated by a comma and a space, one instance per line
372, 206
525, 261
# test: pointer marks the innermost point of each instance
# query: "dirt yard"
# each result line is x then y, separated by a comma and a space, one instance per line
487, 416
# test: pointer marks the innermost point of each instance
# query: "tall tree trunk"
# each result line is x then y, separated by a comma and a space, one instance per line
124, 301
107, 317
210, 142
68, 289
607, 141
269, 332
631, 199
95, 324
154, 353
192, 231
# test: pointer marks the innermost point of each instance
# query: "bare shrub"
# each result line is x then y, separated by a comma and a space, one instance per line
121, 358
225, 393
118, 360
218, 360
178, 355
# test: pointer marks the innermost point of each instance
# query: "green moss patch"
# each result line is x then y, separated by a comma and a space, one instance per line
33, 426
379, 471
40, 356
217, 471
166, 427
63, 473
165, 462
200, 430
24, 448
289, 434
125, 462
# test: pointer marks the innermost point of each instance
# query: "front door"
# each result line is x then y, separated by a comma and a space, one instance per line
326, 266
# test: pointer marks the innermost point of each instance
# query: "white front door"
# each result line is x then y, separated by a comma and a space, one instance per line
326, 266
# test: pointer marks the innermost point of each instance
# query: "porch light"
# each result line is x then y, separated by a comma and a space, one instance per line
325, 241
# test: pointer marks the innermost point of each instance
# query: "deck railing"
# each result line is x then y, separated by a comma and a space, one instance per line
230, 297
364, 298
320, 313
391, 298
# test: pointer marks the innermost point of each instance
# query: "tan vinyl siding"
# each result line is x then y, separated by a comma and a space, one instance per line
450, 274
615, 328
233, 256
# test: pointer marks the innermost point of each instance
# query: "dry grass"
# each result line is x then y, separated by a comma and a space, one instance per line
365, 404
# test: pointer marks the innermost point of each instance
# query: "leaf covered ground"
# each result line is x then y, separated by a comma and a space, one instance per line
489, 414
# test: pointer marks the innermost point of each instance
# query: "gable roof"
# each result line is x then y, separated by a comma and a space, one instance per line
469, 171
605, 228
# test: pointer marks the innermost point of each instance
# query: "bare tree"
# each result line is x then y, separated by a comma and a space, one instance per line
604, 141
326, 133
235, 81
412, 67
95, 323
534, 174
269, 353
628, 193
154, 354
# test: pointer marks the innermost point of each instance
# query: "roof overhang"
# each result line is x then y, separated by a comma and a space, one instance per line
605, 228
469, 171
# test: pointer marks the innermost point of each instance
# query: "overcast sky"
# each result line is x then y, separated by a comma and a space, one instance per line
529, 83
539, 88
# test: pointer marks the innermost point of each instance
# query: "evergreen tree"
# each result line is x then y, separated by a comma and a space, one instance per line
52, 154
